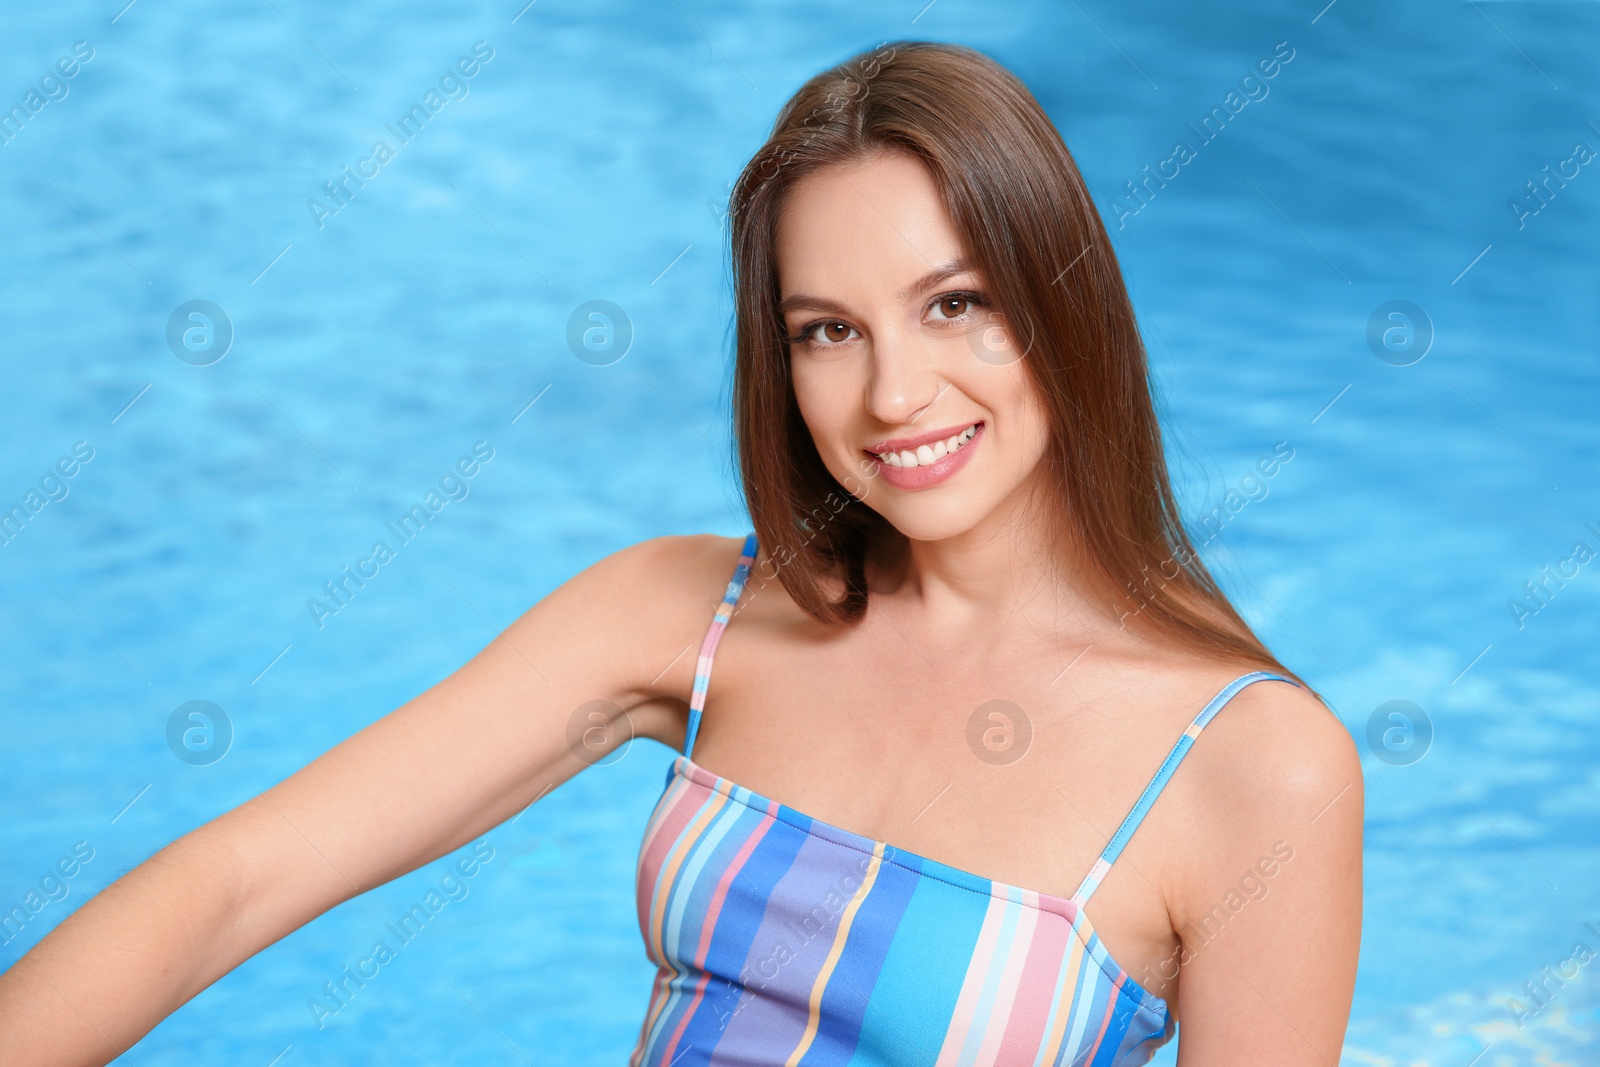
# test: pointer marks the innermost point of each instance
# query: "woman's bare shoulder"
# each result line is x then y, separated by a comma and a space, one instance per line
675, 573
1274, 744
673, 562
1275, 766
652, 600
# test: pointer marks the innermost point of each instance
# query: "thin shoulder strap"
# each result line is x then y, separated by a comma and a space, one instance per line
708, 647
1119, 840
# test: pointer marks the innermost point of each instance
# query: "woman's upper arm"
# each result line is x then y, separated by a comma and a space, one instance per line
1270, 913
479, 746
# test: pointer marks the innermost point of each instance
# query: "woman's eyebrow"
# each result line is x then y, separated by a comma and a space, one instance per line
798, 301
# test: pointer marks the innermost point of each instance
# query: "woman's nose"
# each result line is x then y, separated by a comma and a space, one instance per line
904, 381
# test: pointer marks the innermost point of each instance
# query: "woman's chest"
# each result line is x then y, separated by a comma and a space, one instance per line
771, 929
1003, 769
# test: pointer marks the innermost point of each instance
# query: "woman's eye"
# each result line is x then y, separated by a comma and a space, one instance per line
955, 305
825, 333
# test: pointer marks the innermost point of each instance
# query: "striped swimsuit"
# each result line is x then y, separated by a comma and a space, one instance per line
782, 939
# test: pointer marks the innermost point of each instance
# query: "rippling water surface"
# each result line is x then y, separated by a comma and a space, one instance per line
585, 158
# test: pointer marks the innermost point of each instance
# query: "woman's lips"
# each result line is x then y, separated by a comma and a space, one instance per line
924, 476
899, 444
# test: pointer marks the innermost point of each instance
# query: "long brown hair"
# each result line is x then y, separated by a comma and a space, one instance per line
1032, 231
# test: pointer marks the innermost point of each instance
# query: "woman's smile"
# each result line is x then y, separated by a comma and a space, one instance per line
924, 461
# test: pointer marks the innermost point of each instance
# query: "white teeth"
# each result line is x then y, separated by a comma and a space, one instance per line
926, 454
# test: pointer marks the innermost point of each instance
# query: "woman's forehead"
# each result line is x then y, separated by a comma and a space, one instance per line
864, 226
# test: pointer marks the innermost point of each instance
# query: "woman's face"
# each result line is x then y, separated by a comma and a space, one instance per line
915, 395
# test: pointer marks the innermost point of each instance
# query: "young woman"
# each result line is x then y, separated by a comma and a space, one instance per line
963, 665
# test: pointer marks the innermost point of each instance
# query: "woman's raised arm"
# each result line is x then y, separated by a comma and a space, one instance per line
428, 777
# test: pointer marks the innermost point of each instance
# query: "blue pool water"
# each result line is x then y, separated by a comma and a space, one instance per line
585, 158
